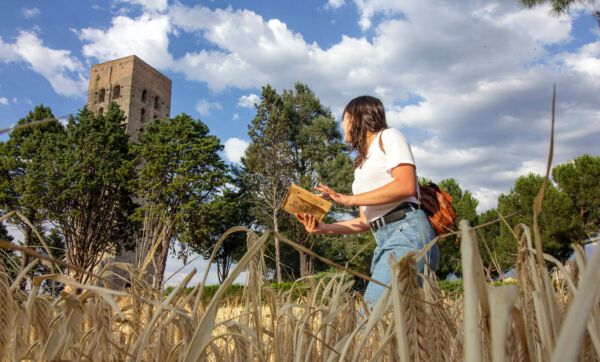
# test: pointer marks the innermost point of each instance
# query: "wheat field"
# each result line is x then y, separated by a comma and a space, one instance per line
541, 317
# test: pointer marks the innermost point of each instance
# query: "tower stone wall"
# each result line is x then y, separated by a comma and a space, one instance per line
141, 91
144, 94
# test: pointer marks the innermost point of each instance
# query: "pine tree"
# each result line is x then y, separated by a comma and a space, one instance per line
86, 179
268, 164
180, 172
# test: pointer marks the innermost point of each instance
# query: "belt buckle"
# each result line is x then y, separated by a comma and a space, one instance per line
378, 223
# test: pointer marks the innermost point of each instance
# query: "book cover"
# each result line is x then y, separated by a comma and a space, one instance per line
301, 201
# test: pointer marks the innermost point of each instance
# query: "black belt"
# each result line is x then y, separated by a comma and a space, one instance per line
396, 214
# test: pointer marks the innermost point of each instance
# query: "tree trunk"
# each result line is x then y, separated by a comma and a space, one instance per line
162, 261
28, 236
303, 265
277, 253
304, 261
223, 266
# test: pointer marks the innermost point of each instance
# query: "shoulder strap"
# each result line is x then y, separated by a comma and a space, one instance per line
416, 178
381, 142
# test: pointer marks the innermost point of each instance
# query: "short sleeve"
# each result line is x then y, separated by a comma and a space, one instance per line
397, 149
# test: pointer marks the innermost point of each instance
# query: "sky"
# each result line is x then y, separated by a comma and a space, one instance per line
468, 82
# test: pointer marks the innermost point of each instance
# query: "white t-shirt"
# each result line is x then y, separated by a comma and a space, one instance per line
376, 170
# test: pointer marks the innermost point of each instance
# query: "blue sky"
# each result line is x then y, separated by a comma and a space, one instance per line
468, 82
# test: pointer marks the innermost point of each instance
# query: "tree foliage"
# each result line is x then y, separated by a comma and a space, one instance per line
87, 177
295, 139
319, 157
20, 183
228, 209
180, 171
560, 7
558, 222
579, 181
465, 206
268, 163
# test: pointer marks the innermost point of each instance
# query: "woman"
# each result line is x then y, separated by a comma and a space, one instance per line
385, 188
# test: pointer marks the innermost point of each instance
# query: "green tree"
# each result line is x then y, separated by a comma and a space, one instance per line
20, 185
558, 222
227, 210
319, 156
86, 180
465, 206
268, 164
9, 261
180, 171
560, 7
496, 258
580, 181
56, 243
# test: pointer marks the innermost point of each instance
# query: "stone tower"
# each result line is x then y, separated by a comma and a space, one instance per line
141, 91
144, 94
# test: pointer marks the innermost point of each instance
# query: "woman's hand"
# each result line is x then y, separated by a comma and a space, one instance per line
329, 193
311, 224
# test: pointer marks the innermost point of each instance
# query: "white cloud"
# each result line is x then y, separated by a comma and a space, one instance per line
150, 5
481, 74
4, 101
235, 149
275, 49
31, 13
236, 116
249, 101
145, 36
7, 52
204, 107
218, 69
335, 4
586, 60
487, 199
63, 71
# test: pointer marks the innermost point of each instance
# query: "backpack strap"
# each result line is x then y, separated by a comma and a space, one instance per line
416, 177
381, 142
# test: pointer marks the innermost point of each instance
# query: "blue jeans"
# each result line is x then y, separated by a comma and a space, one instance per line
400, 237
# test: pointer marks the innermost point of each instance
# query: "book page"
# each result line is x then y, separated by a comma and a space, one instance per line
301, 201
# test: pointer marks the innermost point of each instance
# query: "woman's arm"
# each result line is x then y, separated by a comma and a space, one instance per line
352, 226
403, 186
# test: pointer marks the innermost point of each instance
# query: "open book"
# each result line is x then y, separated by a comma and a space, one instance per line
301, 201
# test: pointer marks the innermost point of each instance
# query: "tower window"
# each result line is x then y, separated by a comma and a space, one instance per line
144, 95
101, 111
101, 95
156, 102
117, 91
143, 115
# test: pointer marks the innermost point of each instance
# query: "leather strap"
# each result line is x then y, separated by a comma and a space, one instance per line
396, 214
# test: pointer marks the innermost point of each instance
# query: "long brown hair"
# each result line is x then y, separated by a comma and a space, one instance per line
366, 114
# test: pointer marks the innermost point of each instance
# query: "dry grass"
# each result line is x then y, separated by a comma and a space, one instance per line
537, 319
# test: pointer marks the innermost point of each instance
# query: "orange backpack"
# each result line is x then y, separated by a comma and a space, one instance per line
437, 204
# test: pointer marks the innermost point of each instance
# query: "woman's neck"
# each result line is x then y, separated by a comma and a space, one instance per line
370, 138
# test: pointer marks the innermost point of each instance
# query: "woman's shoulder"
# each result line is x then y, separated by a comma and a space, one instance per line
392, 134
